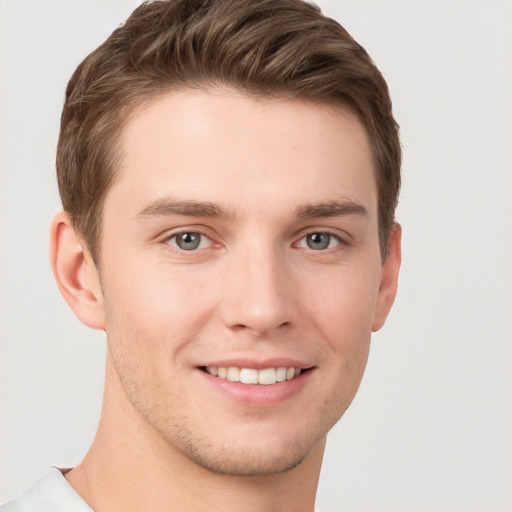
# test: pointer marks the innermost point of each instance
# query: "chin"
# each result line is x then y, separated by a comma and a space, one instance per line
246, 452
237, 461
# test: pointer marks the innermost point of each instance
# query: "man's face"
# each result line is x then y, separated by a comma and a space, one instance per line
240, 239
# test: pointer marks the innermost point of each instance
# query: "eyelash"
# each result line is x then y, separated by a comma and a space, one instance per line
174, 236
340, 242
332, 236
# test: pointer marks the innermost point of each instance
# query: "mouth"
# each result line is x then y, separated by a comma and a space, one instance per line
262, 377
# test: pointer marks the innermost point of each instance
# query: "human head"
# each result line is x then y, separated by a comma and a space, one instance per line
264, 48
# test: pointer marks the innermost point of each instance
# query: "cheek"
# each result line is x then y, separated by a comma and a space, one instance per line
343, 309
152, 303
343, 313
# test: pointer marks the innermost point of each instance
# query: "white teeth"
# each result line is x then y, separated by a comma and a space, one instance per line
264, 377
233, 374
281, 374
249, 376
267, 376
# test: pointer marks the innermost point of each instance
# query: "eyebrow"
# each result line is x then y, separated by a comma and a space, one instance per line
170, 206
330, 209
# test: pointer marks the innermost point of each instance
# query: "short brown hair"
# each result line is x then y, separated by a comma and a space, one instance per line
269, 48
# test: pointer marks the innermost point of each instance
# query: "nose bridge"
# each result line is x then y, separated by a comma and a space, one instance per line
256, 293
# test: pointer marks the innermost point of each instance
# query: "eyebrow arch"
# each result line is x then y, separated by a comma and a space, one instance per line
169, 206
330, 209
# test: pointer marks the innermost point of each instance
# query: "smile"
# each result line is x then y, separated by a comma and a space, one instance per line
265, 376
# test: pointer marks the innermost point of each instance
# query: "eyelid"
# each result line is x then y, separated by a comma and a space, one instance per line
175, 237
344, 239
170, 234
333, 236
341, 235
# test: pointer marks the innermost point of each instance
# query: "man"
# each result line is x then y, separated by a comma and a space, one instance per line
229, 172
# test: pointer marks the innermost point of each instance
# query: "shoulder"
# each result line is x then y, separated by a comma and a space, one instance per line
51, 493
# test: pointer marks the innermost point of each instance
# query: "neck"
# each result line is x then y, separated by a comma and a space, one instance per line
129, 466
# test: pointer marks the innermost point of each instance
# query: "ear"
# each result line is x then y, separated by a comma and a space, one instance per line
389, 277
75, 272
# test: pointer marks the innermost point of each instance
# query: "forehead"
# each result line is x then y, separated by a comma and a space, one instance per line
223, 146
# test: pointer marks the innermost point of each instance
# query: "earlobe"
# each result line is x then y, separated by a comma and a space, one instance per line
75, 272
389, 279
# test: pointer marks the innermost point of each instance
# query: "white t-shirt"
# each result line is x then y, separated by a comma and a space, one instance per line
51, 493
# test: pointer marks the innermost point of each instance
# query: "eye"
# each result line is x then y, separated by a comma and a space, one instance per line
189, 241
319, 241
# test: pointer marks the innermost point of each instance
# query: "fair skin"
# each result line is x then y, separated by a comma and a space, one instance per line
240, 234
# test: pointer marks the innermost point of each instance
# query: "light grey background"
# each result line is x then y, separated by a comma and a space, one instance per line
430, 429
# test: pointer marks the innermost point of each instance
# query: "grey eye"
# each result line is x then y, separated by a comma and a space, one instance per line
318, 241
188, 241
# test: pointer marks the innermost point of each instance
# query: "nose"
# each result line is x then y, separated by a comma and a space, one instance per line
258, 293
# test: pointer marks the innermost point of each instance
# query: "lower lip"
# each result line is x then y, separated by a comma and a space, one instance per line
257, 395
